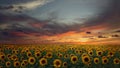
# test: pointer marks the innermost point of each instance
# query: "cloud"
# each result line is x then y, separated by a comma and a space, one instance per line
33, 4
22, 6
88, 32
101, 36
117, 31
21, 26
115, 35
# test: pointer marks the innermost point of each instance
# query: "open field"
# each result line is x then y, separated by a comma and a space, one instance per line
59, 56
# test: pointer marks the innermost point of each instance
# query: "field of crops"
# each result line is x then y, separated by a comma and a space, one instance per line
59, 56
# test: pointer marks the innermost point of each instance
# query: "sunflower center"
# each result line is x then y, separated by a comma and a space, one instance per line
105, 61
96, 60
31, 60
86, 59
3, 57
17, 64
110, 53
91, 53
57, 63
49, 55
99, 53
116, 61
65, 64
43, 61
74, 59
38, 54
8, 63
29, 54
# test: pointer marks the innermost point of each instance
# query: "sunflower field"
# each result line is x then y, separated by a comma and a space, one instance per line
59, 56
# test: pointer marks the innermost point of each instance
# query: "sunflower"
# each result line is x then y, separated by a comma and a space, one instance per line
49, 55
1, 66
84, 54
96, 60
45, 56
37, 54
8, 64
43, 61
13, 57
86, 59
104, 60
16, 64
16, 52
64, 64
57, 63
72, 48
2, 57
99, 53
60, 55
66, 56
80, 52
13, 51
90, 52
29, 54
71, 55
31, 60
74, 59
23, 64
8, 56
77, 51
110, 54
25, 61
116, 61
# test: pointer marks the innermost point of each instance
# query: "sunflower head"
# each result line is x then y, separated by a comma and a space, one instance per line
31, 60
90, 53
1, 66
13, 57
16, 64
74, 59
2, 57
60, 55
84, 54
43, 61
37, 54
8, 56
25, 61
116, 61
86, 59
49, 55
96, 60
111, 54
23, 64
8, 64
99, 53
64, 64
29, 54
71, 55
66, 56
57, 63
104, 60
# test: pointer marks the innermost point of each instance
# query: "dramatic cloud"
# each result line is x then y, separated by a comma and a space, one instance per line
24, 5
49, 22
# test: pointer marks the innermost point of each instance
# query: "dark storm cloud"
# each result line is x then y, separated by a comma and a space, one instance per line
9, 17
6, 7
109, 16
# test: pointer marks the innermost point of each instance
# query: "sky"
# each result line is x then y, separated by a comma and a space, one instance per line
59, 21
